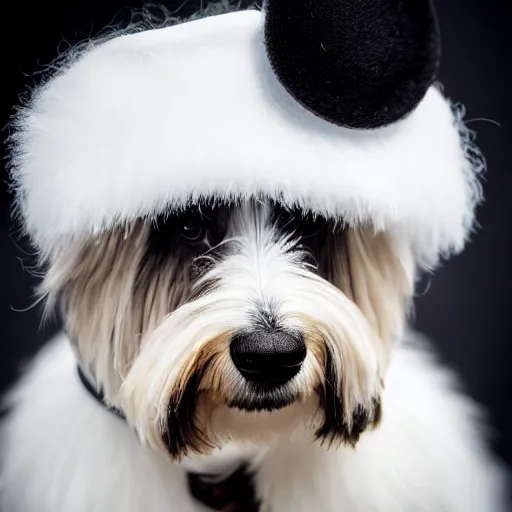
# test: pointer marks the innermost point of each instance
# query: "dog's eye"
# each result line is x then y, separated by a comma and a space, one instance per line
192, 229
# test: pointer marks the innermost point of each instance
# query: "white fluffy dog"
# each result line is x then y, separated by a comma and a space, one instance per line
243, 303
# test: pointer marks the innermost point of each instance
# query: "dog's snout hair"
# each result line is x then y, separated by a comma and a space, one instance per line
154, 307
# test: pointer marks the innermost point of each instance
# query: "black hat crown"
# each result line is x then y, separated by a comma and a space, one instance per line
355, 63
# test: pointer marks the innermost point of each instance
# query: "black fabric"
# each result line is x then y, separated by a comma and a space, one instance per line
355, 63
233, 494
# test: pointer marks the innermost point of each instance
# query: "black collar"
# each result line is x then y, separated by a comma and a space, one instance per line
234, 493
96, 393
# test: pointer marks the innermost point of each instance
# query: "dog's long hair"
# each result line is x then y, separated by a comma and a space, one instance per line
152, 308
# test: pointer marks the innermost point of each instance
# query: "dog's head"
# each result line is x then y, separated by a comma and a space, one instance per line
236, 321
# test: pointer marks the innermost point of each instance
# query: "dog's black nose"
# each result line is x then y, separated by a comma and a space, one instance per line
268, 357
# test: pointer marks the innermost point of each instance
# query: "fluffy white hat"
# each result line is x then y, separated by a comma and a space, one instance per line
318, 104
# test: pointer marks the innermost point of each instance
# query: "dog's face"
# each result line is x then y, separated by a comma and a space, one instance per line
243, 321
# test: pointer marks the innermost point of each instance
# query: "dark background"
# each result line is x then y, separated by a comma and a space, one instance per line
467, 308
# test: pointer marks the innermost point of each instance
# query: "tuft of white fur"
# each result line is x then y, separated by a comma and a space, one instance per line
62, 452
128, 129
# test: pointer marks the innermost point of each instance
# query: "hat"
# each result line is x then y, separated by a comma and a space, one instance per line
326, 105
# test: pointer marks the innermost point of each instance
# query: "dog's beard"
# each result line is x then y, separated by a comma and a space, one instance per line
172, 373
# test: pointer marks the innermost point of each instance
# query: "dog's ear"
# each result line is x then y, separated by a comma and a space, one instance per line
92, 284
111, 289
367, 267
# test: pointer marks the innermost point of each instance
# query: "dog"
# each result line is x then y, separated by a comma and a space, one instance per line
256, 329
249, 332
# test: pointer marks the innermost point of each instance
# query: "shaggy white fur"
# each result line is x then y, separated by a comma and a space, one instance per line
151, 120
63, 452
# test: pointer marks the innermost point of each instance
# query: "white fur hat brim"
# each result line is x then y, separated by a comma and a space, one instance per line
153, 120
